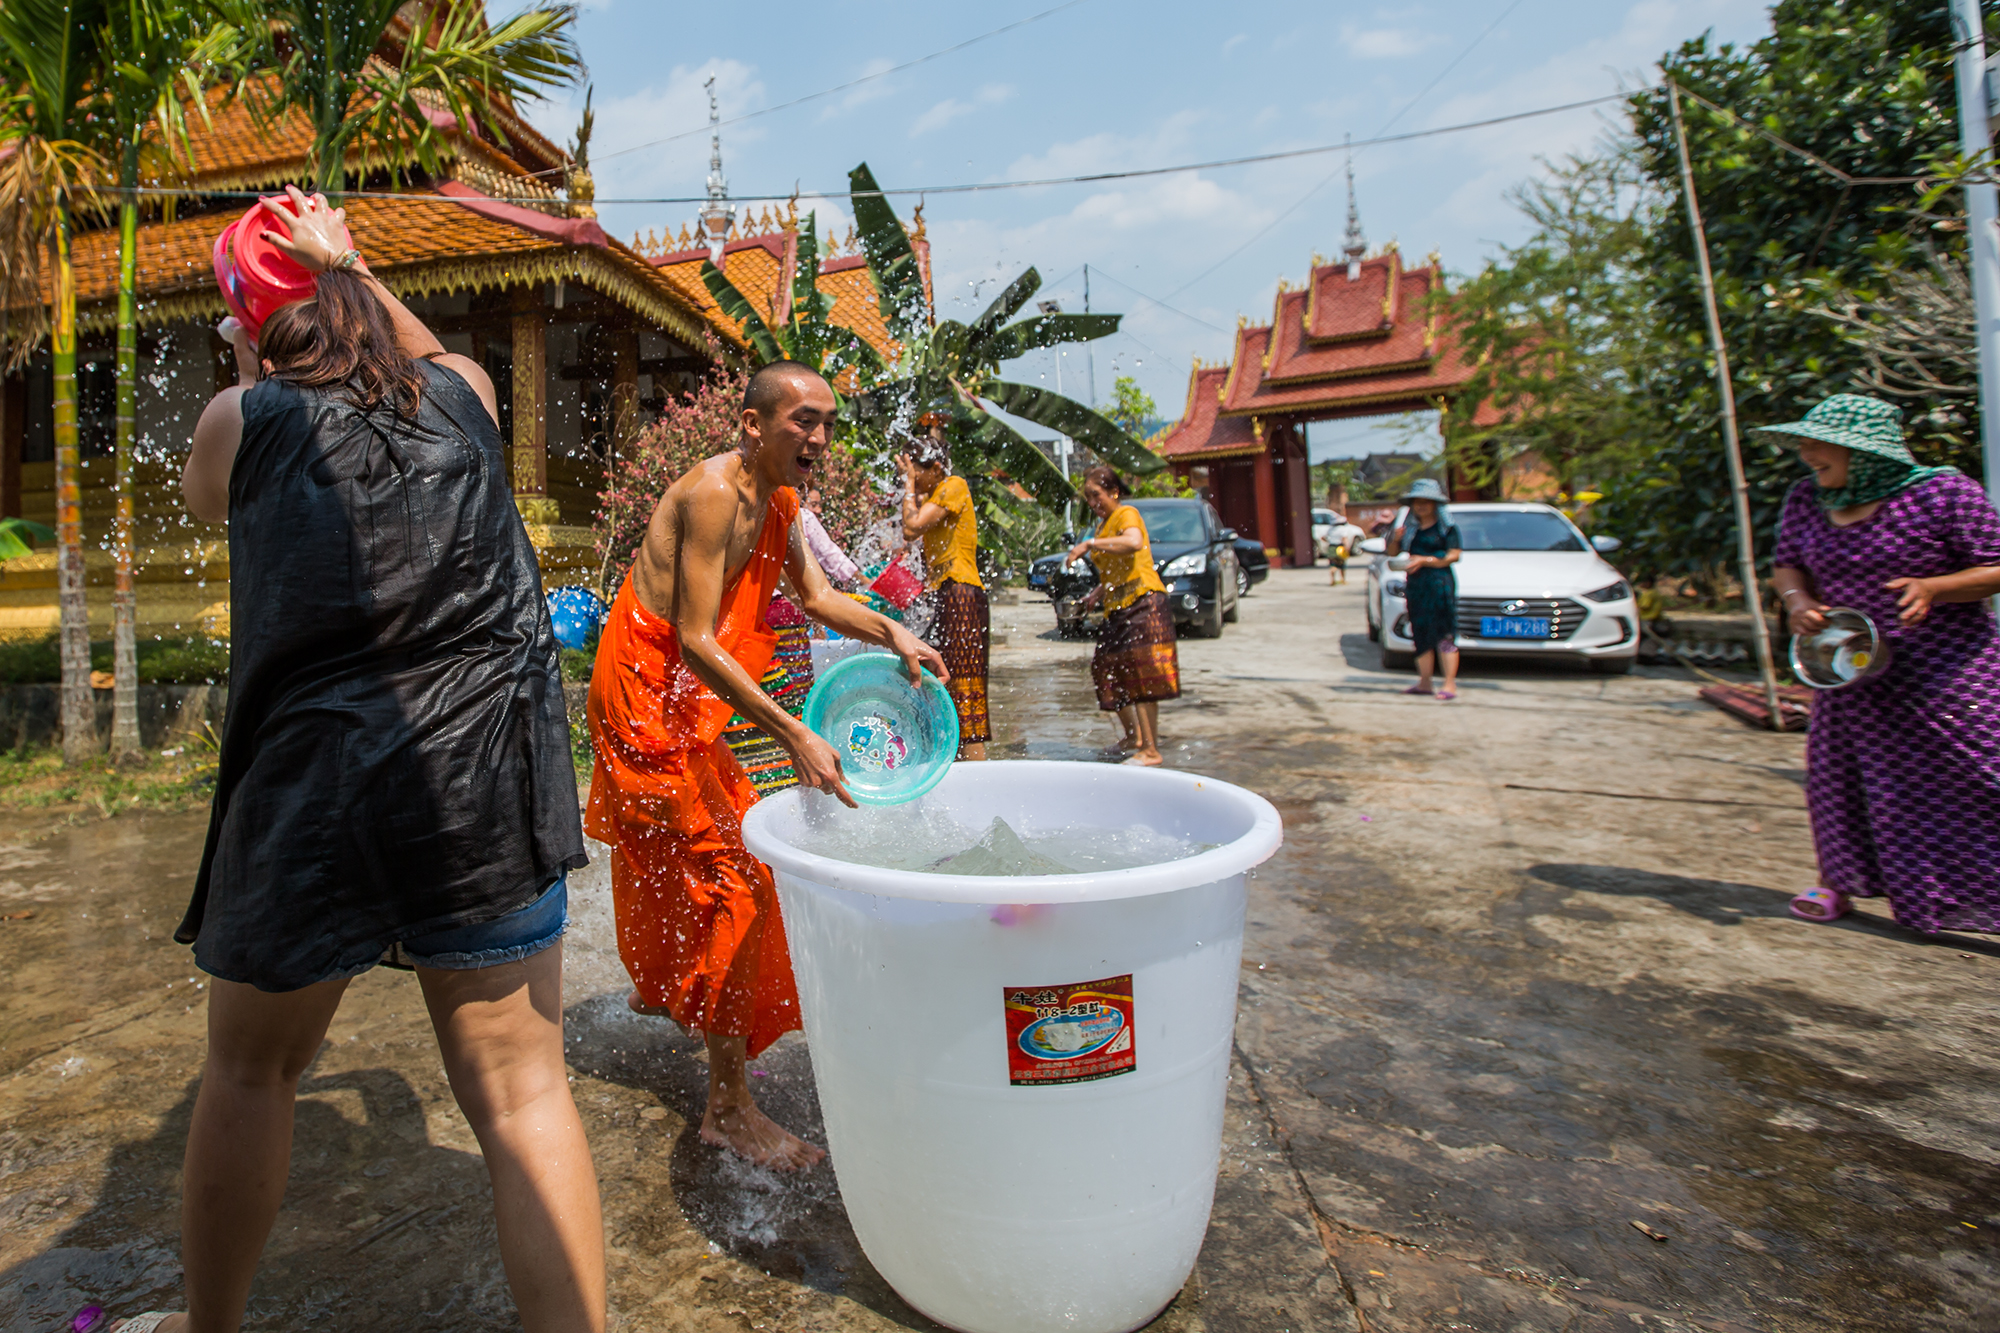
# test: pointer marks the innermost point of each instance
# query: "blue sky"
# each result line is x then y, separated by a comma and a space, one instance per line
1106, 85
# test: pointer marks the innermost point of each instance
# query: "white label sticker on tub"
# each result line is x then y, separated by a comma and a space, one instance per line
1070, 1034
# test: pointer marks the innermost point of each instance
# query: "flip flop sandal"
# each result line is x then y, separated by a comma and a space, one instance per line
1416, 689
1820, 904
1447, 695
93, 1319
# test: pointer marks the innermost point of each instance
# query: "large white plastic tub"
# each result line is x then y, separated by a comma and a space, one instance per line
991, 1206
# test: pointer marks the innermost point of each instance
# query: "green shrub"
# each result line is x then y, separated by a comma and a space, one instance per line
29, 661
191, 661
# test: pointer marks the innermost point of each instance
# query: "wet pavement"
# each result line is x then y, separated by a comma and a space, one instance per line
1521, 978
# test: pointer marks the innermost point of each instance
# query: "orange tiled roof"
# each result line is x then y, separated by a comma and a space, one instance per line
235, 149
761, 267
1337, 347
1364, 392
1201, 433
1362, 308
419, 243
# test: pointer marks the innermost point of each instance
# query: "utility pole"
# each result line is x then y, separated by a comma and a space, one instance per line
1982, 218
1089, 352
1739, 488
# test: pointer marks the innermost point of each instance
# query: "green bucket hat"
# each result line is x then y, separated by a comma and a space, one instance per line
1853, 421
1869, 427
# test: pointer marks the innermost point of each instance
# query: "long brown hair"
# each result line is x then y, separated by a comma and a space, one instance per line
342, 336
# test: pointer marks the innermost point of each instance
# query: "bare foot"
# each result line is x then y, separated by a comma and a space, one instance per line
637, 1004
758, 1139
1146, 759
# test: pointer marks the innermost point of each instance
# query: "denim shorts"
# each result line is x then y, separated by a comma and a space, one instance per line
509, 939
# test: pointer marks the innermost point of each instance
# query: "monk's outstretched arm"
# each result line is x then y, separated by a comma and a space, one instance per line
825, 603
707, 520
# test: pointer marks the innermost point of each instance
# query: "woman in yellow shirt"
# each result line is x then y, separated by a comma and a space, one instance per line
1136, 664
961, 626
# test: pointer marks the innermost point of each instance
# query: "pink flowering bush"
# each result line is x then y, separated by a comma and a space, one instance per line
693, 427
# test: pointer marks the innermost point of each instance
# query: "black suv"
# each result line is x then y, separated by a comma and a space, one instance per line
1207, 568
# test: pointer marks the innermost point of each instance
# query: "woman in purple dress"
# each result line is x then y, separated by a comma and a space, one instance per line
1903, 769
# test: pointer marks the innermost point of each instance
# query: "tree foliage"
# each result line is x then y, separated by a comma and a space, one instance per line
454, 62
1865, 84
1559, 329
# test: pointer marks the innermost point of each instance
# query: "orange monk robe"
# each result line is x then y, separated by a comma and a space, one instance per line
698, 923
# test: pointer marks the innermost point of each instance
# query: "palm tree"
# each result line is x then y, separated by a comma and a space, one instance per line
950, 370
158, 57
49, 115
452, 61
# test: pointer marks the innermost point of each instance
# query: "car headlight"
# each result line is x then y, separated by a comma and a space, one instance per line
1397, 588
1194, 562
1617, 592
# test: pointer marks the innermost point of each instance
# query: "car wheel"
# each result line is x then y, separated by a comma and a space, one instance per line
1210, 624
1235, 609
1393, 661
1374, 631
1612, 666
1242, 581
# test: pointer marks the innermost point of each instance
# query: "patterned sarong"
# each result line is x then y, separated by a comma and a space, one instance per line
788, 680
961, 631
1136, 661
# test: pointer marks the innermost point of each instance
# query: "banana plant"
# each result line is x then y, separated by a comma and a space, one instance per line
17, 536
807, 335
950, 372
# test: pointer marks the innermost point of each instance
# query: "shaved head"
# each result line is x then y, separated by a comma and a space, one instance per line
773, 386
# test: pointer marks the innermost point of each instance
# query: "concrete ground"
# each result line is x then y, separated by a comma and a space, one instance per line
1520, 980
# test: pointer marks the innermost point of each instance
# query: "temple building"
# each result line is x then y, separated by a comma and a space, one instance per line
499, 252
1362, 337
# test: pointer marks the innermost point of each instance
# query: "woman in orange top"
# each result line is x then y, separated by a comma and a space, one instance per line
962, 626
1136, 664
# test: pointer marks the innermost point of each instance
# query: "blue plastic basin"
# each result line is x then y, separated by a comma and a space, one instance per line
894, 742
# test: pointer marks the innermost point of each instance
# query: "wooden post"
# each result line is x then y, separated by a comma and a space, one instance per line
13, 439
1267, 497
624, 422
530, 445
1739, 488
1298, 498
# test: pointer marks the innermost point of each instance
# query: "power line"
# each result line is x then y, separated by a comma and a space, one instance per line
1387, 126
1429, 87
980, 187
1154, 300
841, 88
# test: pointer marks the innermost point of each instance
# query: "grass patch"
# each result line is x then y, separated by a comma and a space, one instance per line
34, 778
180, 661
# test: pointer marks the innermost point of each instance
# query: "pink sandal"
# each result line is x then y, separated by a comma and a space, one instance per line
1820, 904
1418, 689
1447, 695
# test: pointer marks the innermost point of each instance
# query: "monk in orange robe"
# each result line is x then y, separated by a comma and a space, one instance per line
683, 649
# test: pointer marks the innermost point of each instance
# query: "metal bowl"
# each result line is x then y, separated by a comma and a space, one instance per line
1849, 649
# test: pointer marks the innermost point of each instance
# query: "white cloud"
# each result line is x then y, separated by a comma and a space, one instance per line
1386, 43
950, 109
873, 90
1235, 42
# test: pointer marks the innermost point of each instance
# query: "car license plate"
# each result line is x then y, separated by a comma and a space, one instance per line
1513, 627
1036, 580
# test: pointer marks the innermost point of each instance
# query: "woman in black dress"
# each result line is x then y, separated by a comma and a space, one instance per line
1432, 542
395, 781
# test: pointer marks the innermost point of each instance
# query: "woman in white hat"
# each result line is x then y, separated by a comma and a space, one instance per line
1431, 540
1902, 769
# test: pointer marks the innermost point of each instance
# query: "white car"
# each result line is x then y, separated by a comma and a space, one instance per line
1529, 584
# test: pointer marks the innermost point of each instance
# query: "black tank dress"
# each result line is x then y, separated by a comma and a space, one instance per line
396, 756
